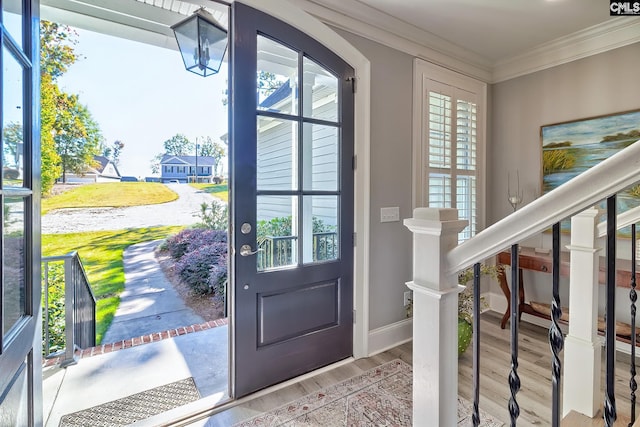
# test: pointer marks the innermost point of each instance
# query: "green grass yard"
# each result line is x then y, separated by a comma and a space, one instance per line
221, 191
110, 194
101, 254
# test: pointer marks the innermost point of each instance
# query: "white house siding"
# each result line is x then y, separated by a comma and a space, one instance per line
276, 169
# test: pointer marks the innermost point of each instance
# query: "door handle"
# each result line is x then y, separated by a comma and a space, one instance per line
245, 250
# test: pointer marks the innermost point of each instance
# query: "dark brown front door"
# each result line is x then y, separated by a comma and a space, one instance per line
291, 136
20, 358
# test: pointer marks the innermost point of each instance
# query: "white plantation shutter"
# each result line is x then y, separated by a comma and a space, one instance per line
450, 141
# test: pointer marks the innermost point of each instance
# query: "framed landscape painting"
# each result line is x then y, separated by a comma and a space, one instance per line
570, 148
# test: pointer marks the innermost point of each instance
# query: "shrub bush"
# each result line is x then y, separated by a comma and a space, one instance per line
206, 237
214, 216
195, 267
178, 245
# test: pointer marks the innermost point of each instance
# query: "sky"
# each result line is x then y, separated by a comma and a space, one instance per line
142, 95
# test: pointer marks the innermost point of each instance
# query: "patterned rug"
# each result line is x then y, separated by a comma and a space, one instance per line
379, 397
136, 407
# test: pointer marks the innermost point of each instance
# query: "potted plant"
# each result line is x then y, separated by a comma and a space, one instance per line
465, 304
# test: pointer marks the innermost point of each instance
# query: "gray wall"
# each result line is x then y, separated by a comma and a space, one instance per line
601, 84
390, 243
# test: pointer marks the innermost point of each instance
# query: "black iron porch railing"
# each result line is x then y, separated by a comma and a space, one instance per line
277, 251
78, 305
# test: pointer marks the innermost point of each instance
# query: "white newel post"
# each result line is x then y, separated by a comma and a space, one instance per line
435, 317
582, 349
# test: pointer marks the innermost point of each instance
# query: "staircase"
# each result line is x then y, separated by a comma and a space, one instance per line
438, 259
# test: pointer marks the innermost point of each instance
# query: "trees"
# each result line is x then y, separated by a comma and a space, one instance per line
50, 160
70, 136
113, 152
214, 149
177, 145
76, 135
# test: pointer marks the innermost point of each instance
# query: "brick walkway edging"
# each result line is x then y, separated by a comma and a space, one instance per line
136, 341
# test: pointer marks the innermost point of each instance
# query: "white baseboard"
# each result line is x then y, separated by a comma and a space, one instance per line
389, 336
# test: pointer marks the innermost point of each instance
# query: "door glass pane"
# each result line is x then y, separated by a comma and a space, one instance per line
12, 121
13, 262
320, 157
12, 19
277, 77
320, 92
277, 231
277, 154
320, 220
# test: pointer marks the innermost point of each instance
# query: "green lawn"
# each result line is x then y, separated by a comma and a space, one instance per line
101, 255
110, 194
221, 191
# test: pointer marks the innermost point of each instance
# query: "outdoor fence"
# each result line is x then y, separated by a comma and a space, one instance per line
277, 251
69, 307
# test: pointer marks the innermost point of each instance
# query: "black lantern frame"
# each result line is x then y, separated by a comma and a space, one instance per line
202, 42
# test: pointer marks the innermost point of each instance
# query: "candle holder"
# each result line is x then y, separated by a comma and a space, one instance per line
514, 198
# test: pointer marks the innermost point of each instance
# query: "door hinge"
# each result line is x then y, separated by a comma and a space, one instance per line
354, 239
354, 162
353, 84
354, 316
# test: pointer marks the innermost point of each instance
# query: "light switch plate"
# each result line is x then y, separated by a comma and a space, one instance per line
391, 214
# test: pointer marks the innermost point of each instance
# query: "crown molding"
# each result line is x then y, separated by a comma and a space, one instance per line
362, 20
370, 23
600, 38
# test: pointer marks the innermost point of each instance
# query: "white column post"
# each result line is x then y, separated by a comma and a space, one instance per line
582, 349
435, 314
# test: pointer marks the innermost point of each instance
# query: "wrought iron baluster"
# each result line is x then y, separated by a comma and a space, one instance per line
610, 313
633, 296
556, 339
476, 345
514, 379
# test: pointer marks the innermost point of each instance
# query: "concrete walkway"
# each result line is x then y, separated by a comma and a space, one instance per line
149, 302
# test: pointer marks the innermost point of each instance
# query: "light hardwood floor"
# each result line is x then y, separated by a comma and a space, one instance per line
534, 370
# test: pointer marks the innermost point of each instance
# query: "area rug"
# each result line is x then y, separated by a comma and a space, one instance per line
381, 396
136, 407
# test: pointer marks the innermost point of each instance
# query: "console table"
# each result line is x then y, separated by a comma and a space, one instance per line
529, 259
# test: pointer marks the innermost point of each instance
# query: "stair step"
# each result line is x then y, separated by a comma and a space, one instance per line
575, 419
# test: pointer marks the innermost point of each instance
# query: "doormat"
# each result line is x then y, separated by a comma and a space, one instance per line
381, 396
136, 407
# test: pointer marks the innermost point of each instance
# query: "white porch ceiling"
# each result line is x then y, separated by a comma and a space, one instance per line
489, 39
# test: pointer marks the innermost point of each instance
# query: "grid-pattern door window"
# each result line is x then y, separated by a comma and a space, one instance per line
450, 144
